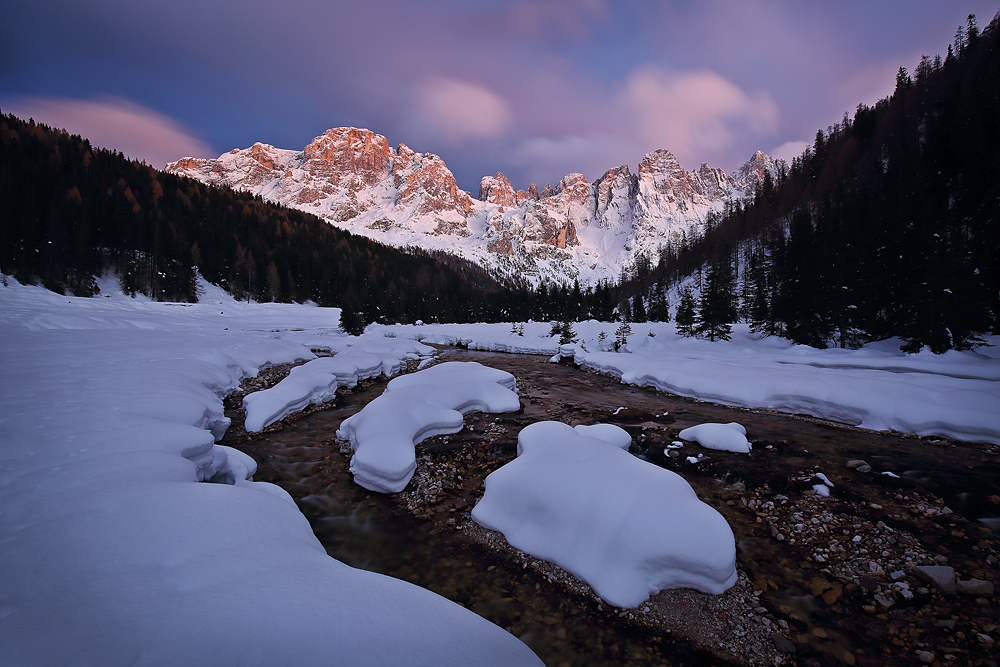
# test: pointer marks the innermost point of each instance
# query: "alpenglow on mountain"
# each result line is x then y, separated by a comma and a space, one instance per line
575, 230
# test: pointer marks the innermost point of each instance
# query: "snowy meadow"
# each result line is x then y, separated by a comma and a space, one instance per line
129, 536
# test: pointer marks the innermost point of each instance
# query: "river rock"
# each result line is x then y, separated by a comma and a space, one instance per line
782, 643
942, 576
977, 587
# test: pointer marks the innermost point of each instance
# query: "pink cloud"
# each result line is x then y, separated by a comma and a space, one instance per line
571, 18
591, 155
456, 110
692, 113
118, 124
789, 150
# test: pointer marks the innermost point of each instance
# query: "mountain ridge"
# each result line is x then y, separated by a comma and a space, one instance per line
577, 230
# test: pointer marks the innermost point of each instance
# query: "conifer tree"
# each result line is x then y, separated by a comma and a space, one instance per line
351, 321
567, 335
621, 335
659, 307
717, 307
638, 309
687, 315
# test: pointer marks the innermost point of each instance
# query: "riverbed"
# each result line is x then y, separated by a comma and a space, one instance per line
817, 572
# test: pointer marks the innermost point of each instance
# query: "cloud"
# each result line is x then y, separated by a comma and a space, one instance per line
546, 18
458, 110
789, 150
693, 113
118, 124
592, 155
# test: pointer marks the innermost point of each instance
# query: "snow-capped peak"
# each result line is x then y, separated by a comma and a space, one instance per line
575, 230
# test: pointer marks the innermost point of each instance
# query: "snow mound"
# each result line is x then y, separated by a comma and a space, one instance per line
731, 437
626, 527
318, 380
417, 406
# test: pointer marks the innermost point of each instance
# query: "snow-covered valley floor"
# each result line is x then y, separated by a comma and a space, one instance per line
111, 552
955, 395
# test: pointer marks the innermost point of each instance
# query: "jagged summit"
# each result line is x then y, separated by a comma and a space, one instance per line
575, 230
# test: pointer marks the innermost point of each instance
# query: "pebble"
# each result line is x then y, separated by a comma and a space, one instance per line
926, 656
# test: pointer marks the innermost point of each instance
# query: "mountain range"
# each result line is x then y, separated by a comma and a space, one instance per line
576, 230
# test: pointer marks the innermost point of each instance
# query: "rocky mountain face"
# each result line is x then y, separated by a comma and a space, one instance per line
576, 230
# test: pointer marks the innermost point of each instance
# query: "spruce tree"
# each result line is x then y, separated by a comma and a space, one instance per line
351, 321
717, 307
566, 334
659, 307
638, 309
622, 334
687, 315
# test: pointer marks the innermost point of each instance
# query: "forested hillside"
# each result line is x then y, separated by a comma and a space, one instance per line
70, 211
886, 226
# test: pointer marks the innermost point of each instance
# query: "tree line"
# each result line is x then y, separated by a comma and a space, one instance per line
886, 226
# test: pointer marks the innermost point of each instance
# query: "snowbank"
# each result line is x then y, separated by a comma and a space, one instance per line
318, 380
417, 406
111, 551
628, 528
956, 394
731, 437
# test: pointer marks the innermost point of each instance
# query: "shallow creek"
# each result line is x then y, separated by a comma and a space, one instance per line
422, 541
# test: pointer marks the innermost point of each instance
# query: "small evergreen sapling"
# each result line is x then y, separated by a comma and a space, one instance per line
566, 335
621, 335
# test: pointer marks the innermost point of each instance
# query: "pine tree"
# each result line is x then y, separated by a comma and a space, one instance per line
687, 315
717, 308
556, 328
624, 310
659, 307
638, 309
566, 334
351, 321
622, 334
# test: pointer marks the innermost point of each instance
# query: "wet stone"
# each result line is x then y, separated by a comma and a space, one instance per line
782, 643
976, 587
941, 576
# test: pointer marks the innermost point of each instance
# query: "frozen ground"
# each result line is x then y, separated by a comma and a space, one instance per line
955, 395
112, 553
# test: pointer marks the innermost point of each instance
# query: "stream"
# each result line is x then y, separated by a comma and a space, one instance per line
427, 547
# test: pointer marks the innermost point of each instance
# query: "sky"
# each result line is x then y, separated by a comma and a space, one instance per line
535, 89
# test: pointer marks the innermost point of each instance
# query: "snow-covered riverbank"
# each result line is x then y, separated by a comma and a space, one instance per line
112, 553
955, 395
